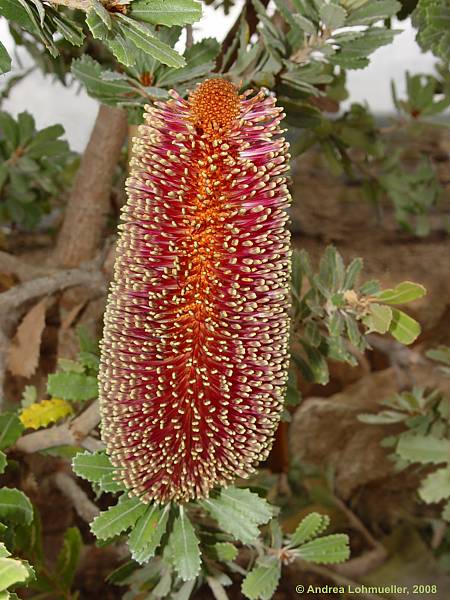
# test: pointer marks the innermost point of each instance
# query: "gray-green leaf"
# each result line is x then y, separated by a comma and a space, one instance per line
239, 512
147, 533
15, 506
166, 12
117, 519
330, 549
184, 547
262, 581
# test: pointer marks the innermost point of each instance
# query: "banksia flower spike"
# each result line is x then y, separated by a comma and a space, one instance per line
195, 348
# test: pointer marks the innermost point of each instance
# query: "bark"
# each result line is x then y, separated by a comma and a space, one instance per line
89, 201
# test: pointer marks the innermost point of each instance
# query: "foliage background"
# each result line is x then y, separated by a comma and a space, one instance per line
363, 449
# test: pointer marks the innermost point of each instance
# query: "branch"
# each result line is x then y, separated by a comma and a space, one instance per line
47, 285
84, 507
71, 433
89, 202
12, 265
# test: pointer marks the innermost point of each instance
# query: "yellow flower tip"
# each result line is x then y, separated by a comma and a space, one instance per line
215, 104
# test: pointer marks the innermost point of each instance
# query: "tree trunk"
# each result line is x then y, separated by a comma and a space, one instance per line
88, 206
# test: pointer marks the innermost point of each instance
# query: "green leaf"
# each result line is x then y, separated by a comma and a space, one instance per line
352, 273
446, 512
67, 28
15, 506
262, 581
379, 318
432, 18
423, 449
305, 24
10, 429
12, 572
333, 15
403, 327
225, 551
402, 293
147, 533
310, 527
371, 12
68, 557
385, 417
93, 466
142, 36
3, 462
239, 512
330, 549
317, 363
76, 387
436, 486
96, 25
104, 85
118, 518
166, 12
5, 60
184, 547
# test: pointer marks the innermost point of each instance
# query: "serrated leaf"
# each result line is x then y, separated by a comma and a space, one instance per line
371, 12
404, 292
436, 486
67, 561
41, 414
403, 327
12, 572
379, 318
67, 27
29, 396
109, 90
3, 462
142, 36
423, 449
333, 16
96, 25
317, 363
167, 12
184, 547
385, 417
15, 506
118, 518
446, 512
10, 429
239, 512
5, 60
305, 24
225, 551
147, 533
330, 549
71, 386
262, 581
92, 466
311, 526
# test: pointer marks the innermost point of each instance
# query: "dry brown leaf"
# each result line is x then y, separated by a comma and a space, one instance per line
24, 352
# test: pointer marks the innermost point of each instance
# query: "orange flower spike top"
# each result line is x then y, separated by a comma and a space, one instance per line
195, 349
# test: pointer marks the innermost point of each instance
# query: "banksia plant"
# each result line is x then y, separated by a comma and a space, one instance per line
195, 348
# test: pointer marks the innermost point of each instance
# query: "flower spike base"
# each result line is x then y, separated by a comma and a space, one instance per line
195, 348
